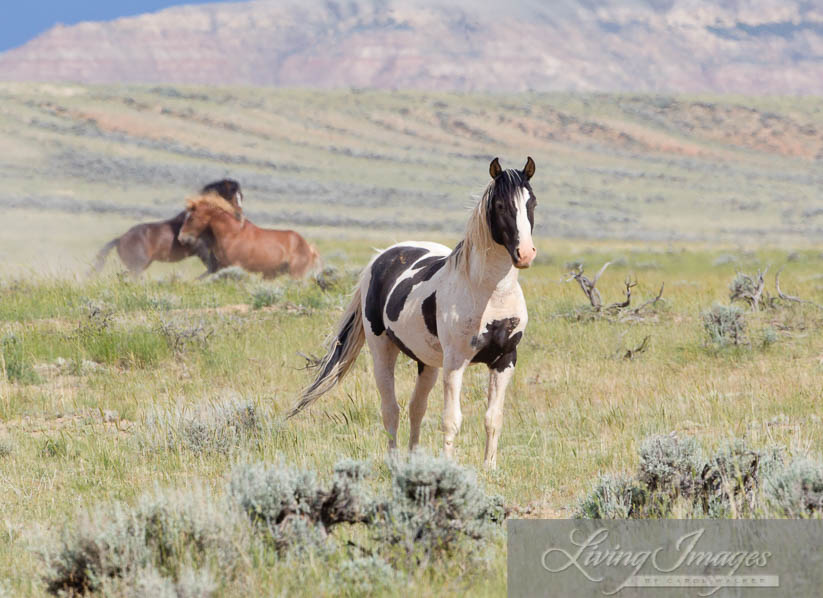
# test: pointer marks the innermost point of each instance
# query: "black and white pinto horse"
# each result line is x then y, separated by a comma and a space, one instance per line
443, 308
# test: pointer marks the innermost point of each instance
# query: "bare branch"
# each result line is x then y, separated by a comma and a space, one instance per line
624, 304
652, 302
750, 289
790, 298
631, 353
600, 273
588, 286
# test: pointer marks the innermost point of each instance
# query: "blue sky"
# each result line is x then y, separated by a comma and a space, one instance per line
24, 19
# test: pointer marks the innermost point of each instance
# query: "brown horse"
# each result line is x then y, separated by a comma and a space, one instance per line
270, 252
157, 241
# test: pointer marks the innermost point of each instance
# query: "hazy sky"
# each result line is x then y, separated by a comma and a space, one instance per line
24, 19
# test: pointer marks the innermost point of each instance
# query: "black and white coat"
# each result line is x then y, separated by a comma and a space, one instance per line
445, 309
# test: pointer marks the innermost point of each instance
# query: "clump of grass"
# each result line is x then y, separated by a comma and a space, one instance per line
165, 535
266, 295
17, 365
724, 260
768, 337
725, 325
182, 334
104, 342
367, 576
218, 427
232, 273
6, 446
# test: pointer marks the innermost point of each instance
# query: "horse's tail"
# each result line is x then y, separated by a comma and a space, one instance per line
343, 347
103, 254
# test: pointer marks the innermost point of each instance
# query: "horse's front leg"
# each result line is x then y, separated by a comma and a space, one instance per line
452, 417
498, 381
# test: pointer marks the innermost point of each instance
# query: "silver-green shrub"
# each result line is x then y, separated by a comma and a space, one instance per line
725, 325
613, 497
670, 464
366, 576
434, 505
168, 532
294, 508
265, 295
796, 490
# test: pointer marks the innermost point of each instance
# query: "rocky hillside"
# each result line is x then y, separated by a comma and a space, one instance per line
742, 46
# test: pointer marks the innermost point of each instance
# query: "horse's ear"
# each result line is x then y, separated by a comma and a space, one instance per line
494, 168
528, 169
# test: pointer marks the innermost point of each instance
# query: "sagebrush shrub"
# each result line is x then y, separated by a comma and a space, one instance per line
6, 446
17, 365
366, 576
670, 464
731, 479
233, 273
166, 533
265, 295
149, 583
613, 497
435, 503
294, 508
796, 490
725, 325
675, 479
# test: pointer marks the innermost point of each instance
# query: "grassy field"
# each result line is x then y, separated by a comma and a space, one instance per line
81, 164
90, 365
105, 381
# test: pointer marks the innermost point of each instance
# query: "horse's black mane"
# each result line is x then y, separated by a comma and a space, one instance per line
507, 182
225, 188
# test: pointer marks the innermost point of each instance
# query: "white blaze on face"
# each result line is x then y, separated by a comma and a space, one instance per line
239, 197
527, 251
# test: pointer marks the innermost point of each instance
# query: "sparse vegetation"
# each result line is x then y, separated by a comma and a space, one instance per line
82, 429
725, 325
675, 479
266, 295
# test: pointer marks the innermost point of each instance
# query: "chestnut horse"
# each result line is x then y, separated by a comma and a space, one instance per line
236, 243
148, 242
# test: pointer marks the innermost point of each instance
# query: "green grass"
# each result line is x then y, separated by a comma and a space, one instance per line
81, 164
575, 409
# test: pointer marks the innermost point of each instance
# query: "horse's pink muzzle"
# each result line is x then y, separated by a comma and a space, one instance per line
186, 239
525, 257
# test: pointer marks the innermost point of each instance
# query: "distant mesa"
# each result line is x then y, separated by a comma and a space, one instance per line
749, 47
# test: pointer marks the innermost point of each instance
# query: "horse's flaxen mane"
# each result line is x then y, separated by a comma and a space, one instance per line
478, 240
211, 199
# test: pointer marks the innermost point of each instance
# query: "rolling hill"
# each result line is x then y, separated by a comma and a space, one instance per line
735, 46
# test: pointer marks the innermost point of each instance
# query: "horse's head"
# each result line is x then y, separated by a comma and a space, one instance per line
510, 211
198, 218
229, 190
200, 211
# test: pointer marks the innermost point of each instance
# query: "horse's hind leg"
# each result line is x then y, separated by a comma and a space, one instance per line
384, 355
426, 379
